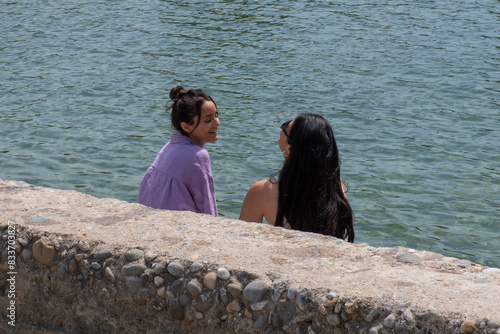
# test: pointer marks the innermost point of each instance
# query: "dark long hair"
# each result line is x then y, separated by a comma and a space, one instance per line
311, 197
187, 105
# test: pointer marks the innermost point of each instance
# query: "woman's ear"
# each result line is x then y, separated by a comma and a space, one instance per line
186, 127
286, 152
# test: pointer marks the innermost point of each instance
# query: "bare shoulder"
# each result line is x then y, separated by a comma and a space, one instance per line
257, 200
261, 186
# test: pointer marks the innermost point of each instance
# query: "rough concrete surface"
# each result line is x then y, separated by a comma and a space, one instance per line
398, 278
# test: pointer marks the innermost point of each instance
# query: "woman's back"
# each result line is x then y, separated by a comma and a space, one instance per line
309, 195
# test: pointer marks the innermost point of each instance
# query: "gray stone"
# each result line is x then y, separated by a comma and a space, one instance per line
134, 254
26, 254
83, 246
223, 273
176, 285
23, 242
402, 329
193, 288
275, 320
408, 315
390, 321
464, 263
184, 299
373, 314
481, 281
133, 269
158, 280
333, 319
195, 267
144, 279
279, 289
159, 268
286, 311
376, 330
95, 266
255, 290
261, 322
223, 294
304, 299
408, 258
303, 318
61, 272
99, 275
78, 257
175, 269
71, 253
292, 292
102, 254
259, 306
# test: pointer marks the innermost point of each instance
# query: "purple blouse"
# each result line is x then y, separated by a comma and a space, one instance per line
180, 178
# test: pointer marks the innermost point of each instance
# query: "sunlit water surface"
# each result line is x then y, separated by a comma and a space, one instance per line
411, 88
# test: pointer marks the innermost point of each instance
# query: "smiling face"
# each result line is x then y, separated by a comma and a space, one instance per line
206, 130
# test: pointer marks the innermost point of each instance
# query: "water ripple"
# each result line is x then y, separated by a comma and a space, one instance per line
411, 89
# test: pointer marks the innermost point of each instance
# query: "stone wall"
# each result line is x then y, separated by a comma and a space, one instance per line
73, 263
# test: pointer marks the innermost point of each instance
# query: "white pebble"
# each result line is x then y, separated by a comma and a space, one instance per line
223, 273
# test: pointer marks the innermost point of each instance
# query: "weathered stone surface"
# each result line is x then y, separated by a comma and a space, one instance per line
133, 269
195, 267
134, 254
353, 288
408, 258
26, 254
223, 273
210, 280
235, 289
193, 288
254, 291
158, 268
233, 306
158, 280
102, 254
467, 327
304, 299
175, 269
390, 321
43, 251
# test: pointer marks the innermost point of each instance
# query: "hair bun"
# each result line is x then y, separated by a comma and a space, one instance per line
177, 92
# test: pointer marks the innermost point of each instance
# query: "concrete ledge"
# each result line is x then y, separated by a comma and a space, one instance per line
89, 265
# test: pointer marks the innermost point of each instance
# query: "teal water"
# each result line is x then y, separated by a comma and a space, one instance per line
412, 90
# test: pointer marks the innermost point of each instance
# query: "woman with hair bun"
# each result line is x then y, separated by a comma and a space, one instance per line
180, 177
308, 193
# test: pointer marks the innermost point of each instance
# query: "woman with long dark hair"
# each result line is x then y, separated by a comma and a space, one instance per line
180, 177
308, 193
